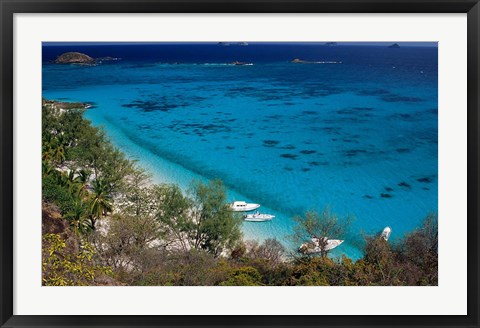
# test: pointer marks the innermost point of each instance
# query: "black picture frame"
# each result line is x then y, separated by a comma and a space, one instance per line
9, 8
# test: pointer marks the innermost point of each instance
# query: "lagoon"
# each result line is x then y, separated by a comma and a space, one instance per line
360, 136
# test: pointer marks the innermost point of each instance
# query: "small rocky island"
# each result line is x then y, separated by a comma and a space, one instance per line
232, 43
395, 46
239, 63
74, 58
298, 61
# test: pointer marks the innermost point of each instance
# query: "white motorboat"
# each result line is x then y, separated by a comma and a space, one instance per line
241, 206
386, 233
313, 247
258, 217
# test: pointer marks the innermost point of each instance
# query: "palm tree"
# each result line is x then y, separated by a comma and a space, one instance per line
58, 149
62, 179
47, 169
78, 217
58, 154
83, 176
47, 146
53, 150
47, 154
75, 187
78, 183
100, 202
71, 176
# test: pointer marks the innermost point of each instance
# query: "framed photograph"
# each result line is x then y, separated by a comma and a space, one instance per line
253, 163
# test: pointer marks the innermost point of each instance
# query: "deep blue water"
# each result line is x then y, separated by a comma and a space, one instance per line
359, 136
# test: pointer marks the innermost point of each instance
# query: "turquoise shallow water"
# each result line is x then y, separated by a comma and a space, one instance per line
360, 136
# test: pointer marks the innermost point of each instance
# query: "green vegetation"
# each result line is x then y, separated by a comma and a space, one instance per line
63, 267
105, 223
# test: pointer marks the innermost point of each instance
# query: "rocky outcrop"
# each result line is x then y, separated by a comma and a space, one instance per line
52, 222
395, 45
232, 43
298, 61
74, 58
62, 105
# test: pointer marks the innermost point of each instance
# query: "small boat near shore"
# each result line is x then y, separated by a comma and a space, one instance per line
313, 247
258, 217
241, 206
386, 233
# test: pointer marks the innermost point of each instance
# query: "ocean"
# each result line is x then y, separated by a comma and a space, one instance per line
354, 127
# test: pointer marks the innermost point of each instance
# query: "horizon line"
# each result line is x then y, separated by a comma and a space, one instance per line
320, 43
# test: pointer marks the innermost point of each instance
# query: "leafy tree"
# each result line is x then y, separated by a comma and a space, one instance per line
322, 226
202, 221
173, 212
88, 147
213, 226
129, 242
113, 167
136, 195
